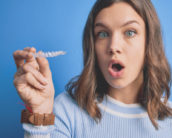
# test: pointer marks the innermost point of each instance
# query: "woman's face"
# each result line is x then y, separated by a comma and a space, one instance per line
120, 44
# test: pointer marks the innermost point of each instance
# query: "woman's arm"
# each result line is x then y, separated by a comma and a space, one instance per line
63, 109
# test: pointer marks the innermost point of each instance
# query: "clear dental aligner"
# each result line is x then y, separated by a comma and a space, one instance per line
49, 54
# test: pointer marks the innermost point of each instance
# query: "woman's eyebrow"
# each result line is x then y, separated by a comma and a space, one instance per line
100, 24
130, 22
125, 24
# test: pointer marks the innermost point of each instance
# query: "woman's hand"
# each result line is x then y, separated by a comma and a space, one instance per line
33, 81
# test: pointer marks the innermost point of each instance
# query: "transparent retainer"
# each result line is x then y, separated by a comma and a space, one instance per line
49, 54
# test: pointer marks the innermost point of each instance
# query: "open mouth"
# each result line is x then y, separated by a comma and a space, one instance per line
117, 67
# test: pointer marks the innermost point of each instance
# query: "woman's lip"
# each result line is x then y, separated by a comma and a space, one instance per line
116, 74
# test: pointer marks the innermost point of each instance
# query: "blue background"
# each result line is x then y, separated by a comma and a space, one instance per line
49, 25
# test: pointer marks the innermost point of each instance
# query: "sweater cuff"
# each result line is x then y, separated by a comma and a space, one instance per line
38, 130
28, 135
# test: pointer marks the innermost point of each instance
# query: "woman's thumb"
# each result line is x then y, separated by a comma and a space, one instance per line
43, 66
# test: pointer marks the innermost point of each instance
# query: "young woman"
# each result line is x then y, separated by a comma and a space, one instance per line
124, 87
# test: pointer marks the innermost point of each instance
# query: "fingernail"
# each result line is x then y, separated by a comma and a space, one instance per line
45, 81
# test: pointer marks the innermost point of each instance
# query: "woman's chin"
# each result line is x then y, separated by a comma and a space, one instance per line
117, 85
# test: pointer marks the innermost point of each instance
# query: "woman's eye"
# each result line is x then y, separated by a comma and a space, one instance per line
130, 33
102, 34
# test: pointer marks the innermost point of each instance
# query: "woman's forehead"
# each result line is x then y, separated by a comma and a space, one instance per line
118, 14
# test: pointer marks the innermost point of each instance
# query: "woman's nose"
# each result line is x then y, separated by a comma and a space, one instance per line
114, 46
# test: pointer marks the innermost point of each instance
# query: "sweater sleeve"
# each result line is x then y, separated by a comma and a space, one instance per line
32, 131
63, 121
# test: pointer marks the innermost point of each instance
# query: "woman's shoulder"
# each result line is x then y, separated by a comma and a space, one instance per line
63, 95
65, 98
65, 103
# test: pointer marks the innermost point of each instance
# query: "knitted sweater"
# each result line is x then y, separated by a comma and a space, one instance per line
119, 120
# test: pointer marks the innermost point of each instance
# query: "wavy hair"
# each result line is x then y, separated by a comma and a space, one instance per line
91, 85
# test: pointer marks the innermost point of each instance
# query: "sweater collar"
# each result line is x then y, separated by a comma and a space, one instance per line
119, 103
121, 109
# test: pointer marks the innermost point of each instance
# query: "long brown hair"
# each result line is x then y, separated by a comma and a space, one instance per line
91, 85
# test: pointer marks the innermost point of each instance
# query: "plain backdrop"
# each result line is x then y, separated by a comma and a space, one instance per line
49, 25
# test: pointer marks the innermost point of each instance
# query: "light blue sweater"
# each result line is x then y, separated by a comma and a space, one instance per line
119, 120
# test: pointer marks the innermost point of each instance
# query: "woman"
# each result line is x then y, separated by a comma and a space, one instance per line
120, 90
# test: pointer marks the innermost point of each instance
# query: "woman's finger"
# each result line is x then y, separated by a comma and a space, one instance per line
44, 66
33, 61
30, 50
31, 80
19, 57
19, 72
28, 68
